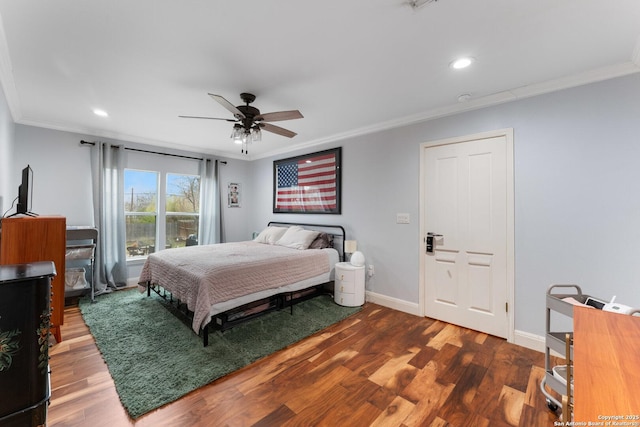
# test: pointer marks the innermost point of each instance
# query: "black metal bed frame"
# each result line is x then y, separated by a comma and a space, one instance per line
230, 318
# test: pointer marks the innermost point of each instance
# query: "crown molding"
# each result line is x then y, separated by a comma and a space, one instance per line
592, 76
635, 56
6, 77
528, 91
97, 133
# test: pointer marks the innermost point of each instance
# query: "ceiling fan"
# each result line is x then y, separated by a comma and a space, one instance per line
249, 122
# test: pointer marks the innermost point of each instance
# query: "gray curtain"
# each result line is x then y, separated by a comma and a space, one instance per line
210, 228
107, 167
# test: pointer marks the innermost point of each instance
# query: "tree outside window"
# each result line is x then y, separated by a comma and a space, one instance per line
154, 213
182, 209
141, 211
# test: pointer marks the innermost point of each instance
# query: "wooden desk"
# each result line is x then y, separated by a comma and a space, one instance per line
606, 352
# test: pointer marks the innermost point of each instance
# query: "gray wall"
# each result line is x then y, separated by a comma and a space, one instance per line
236, 219
62, 175
577, 204
576, 185
61, 172
8, 184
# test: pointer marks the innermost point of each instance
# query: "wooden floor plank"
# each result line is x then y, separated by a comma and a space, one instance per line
395, 414
510, 405
378, 367
459, 406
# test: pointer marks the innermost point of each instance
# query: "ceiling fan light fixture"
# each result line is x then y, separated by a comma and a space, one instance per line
256, 133
236, 133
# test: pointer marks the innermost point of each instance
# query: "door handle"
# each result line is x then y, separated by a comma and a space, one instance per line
429, 240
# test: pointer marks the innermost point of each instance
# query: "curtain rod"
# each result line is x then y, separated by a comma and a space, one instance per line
148, 151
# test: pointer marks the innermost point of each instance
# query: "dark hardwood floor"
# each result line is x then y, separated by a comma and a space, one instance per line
378, 367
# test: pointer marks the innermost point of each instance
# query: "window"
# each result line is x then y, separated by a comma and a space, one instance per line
141, 211
182, 209
160, 207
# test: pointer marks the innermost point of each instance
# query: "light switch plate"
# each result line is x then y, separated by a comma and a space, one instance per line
403, 218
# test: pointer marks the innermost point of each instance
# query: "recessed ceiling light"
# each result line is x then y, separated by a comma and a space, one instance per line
461, 63
464, 97
100, 113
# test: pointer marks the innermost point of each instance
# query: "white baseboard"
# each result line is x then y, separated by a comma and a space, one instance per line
534, 342
132, 281
394, 303
529, 340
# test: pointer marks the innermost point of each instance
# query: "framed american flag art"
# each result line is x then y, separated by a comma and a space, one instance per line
308, 184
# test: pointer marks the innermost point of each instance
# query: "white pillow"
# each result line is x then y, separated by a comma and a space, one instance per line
297, 237
270, 235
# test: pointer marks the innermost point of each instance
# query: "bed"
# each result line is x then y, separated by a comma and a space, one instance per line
225, 284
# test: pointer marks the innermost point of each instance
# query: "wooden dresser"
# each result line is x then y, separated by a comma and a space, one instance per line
606, 358
27, 239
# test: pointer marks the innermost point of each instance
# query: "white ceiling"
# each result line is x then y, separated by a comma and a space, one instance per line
350, 66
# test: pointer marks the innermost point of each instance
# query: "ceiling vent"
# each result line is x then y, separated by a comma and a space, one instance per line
417, 4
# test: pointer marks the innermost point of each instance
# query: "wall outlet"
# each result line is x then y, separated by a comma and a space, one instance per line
403, 218
370, 270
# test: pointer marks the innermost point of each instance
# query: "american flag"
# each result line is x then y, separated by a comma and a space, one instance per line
307, 184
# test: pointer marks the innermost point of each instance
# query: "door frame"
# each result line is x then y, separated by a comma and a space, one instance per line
507, 133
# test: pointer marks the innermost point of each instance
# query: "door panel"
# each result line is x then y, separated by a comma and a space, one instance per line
447, 174
479, 202
465, 201
481, 297
446, 278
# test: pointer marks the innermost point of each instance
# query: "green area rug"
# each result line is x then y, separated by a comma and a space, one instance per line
155, 358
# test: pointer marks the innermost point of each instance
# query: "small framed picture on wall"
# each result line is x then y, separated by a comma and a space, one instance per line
233, 194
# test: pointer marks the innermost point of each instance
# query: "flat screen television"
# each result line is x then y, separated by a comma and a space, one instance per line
25, 192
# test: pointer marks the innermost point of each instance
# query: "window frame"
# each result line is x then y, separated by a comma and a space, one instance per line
154, 214
181, 214
162, 165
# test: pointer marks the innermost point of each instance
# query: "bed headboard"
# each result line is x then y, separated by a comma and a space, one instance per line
336, 232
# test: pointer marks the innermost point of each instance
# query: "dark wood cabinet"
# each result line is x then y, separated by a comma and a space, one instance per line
24, 343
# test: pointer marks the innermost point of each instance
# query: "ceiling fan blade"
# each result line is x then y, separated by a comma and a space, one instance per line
229, 106
209, 118
280, 115
278, 130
